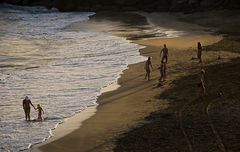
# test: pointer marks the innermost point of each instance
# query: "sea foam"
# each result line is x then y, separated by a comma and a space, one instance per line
62, 70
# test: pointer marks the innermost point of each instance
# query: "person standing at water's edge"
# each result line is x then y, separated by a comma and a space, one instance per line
40, 112
164, 54
26, 107
147, 66
199, 53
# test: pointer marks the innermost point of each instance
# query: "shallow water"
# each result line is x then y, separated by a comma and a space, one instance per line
63, 71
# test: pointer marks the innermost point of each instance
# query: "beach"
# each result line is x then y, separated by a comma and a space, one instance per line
141, 116
63, 69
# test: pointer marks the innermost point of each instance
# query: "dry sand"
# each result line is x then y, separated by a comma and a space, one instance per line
127, 107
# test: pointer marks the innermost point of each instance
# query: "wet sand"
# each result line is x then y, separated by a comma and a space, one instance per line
120, 122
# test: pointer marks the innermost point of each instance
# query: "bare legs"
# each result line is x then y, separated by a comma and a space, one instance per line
147, 76
201, 91
27, 114
162, 71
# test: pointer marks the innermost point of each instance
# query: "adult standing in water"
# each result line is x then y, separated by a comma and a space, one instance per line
164, 54
199, 53
147, 66
26, 107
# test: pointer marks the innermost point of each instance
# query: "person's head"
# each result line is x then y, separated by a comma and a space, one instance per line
164, 45
26, 98
149, 58
199, 44
38, 105
202, 71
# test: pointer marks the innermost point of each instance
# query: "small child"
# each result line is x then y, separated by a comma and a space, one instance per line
40, 112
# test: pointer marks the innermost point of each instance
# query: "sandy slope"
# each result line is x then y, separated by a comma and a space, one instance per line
173, 105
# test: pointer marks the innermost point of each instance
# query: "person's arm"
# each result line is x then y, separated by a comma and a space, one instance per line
161, 52
23, 104
42, 110
32, 105
151, 65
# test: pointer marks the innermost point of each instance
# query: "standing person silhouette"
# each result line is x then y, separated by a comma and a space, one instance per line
164, 54
26, 107
162, 69
199, 52
147, 66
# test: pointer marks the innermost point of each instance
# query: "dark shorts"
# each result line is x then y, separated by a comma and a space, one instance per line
27, 110
148, 70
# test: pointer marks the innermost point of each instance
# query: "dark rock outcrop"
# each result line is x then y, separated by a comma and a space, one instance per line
131, 5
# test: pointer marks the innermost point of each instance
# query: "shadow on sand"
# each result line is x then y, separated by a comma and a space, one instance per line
192, 124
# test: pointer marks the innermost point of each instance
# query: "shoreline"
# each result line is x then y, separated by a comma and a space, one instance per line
107, 102
72, 123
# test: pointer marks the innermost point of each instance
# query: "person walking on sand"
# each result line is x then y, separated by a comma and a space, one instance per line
199, 52
162, 69
201, 84
147, 66
164, 54
40, 112
26, 107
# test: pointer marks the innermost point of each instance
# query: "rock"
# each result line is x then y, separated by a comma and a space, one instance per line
233, 4
106, 3
15, 2
26, 2
47, 3
178, 5
129, 8
63, 5
207, 3
193, 2
131, 5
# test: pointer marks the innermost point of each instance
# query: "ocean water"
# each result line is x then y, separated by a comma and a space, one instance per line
62, 70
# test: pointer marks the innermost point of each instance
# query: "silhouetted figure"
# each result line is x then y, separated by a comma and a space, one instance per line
162, 69
147, 66
40, 112
199, 52
201, 84
164, 54
26, 106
